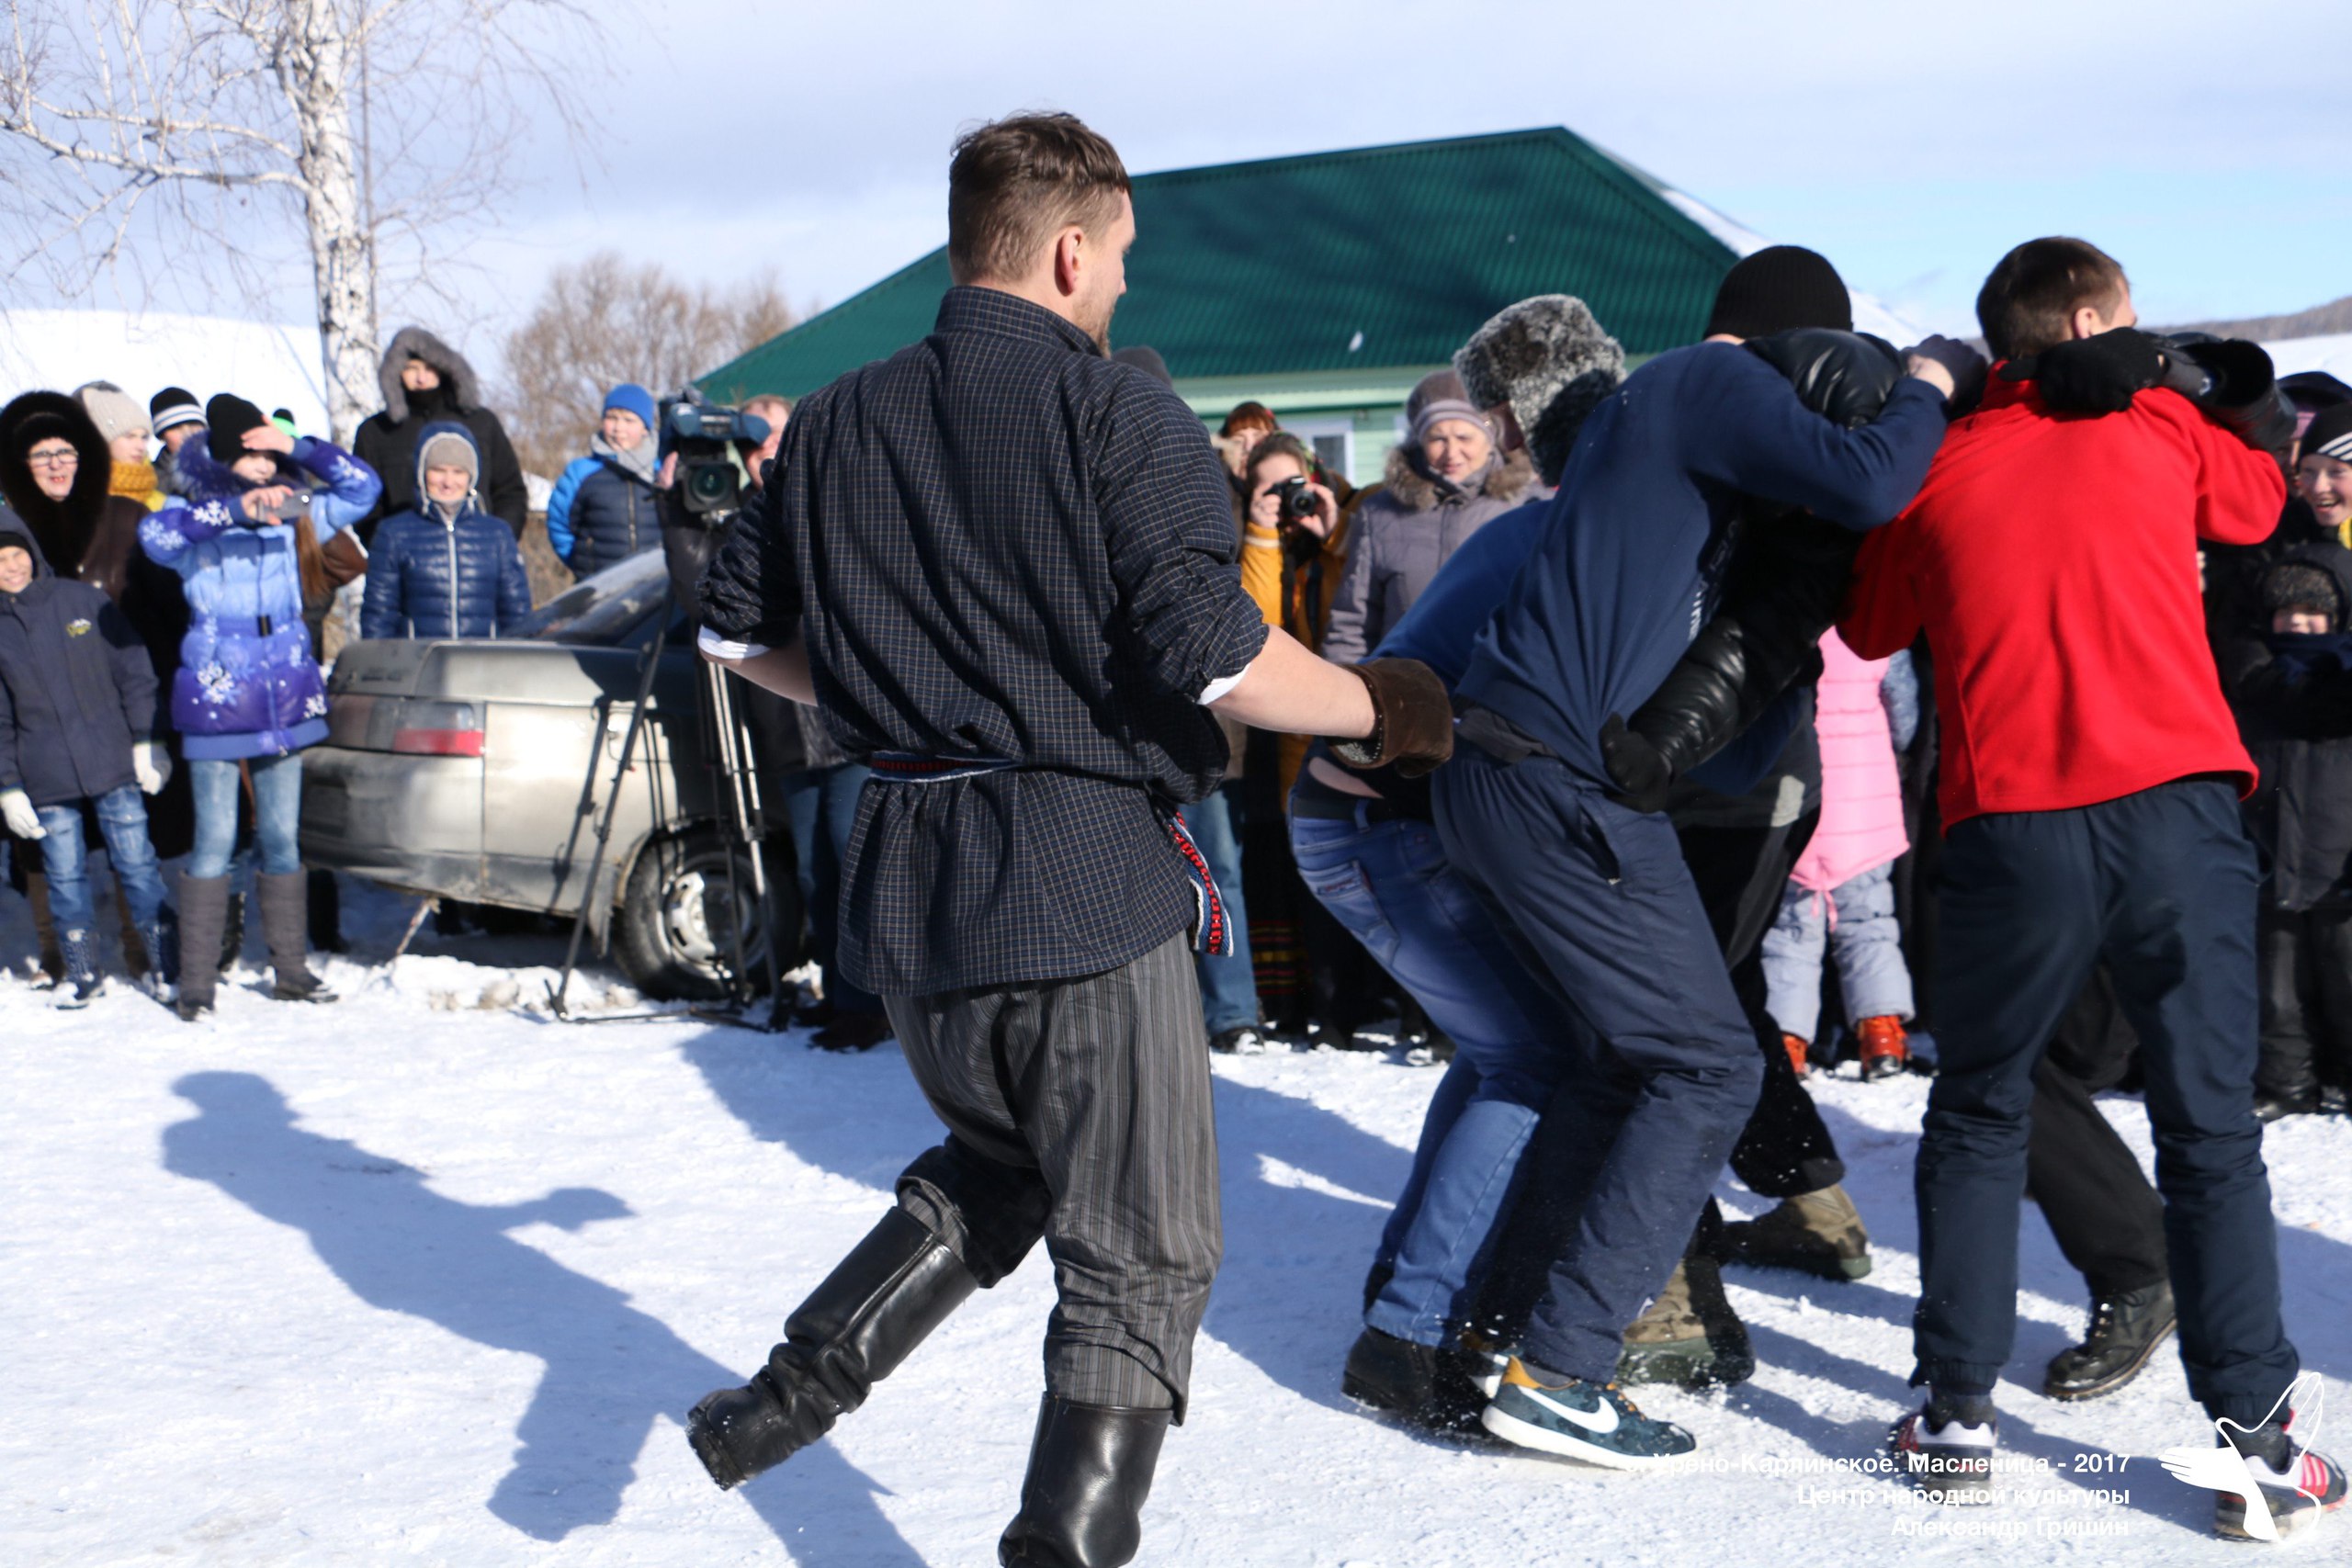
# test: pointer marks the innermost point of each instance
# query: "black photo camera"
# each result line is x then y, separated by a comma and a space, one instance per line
1294, 502
709, 479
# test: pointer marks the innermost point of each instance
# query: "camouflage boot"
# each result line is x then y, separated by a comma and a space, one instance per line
1815, 1232
1691, 1335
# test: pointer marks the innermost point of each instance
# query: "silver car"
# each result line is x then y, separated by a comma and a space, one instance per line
478, 771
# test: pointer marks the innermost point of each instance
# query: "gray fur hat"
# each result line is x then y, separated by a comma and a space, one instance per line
1548, 358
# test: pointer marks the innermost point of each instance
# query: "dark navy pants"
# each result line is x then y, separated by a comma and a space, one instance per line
2161, 886
1598, 901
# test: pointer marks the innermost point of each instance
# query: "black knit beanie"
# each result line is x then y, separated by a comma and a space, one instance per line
1145, 358
227, 418
2329, 435
1779, 288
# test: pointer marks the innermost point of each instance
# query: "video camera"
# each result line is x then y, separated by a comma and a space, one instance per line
709, 479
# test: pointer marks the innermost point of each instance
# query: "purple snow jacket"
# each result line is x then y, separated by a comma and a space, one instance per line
247, 685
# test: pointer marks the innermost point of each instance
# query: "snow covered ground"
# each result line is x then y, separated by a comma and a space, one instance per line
423, 1278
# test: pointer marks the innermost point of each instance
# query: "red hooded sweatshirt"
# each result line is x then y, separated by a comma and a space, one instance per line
2052, 560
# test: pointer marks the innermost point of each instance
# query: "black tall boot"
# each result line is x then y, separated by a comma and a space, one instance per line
285, 925
52, 960
204, 909
878, 1304
1090, 1471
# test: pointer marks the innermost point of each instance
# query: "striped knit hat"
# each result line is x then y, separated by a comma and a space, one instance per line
2330, 434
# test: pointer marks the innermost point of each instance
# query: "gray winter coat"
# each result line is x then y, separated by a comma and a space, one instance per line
1402, 534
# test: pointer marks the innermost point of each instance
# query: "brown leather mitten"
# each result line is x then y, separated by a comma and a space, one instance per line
1413, 719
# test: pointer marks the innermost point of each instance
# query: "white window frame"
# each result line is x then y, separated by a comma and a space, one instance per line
1309, 428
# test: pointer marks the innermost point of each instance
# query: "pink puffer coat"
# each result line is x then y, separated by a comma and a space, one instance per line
1861, 794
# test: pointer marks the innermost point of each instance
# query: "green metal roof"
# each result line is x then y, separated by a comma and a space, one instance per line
1339, 262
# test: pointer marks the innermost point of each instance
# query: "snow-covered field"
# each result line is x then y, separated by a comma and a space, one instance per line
424, 1277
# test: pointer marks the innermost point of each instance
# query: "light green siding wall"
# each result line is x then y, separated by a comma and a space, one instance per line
1365, 405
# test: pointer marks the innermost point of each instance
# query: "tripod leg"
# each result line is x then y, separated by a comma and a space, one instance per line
647, 666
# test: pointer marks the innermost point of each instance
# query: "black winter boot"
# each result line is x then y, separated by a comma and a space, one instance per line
285, 926
80, 950
1433, 1389
161, 937
878, 1304
52, 962
204, 911
2125, 1330
1090, 1471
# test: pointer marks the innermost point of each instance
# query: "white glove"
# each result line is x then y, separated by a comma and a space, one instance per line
154, 766
17, 810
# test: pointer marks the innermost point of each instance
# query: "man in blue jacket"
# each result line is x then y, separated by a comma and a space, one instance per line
603, 510
1627, 571
77, 704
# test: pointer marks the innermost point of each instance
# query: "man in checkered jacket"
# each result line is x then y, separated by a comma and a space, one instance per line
1001, 565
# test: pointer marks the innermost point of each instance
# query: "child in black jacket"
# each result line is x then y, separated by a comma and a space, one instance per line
2294, 708
77, 696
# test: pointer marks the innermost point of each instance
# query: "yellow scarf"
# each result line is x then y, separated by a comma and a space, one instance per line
136, 480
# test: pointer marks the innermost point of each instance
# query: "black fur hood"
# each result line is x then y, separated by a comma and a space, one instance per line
458, 377
62, 528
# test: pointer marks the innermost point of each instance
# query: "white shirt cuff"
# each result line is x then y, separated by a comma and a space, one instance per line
1219, 686
718, 647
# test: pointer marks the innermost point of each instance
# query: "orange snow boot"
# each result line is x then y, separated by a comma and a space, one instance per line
1886, 1048
1798, 1050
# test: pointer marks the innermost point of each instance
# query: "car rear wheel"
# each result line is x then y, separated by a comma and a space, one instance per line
672, 936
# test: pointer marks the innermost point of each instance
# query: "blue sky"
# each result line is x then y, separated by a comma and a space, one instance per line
1911, 144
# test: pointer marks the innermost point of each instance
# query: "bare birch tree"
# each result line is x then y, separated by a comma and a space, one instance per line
604, 320
144, 135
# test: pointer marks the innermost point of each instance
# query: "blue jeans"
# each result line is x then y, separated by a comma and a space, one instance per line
1599, 900
1390, 885
278, 814
122, 823
820, 804
1228, 984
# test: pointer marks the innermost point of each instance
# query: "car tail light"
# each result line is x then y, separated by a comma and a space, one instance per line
438, 729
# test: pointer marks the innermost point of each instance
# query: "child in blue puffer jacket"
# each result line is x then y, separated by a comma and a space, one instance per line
448, 568
247, 691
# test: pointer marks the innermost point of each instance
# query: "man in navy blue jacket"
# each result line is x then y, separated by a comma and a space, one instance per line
1627, 573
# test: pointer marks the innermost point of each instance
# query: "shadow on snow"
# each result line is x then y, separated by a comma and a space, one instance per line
612, 1371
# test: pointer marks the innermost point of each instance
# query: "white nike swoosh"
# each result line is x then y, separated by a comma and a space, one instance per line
1601, 1423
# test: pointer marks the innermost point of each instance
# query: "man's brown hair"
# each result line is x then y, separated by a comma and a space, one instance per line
2029, 302
1016, 182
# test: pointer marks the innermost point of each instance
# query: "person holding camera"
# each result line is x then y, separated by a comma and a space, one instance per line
248, 694
1447, 480
602, 509
445, 568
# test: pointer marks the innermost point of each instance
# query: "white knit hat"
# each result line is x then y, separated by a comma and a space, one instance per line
112, 410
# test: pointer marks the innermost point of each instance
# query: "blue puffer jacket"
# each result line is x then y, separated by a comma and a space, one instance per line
247, 685
603, 510
433, 575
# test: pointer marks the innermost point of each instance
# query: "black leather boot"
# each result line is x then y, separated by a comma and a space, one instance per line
1428, 1388
2125, 1330
1090, 1471
881, 1301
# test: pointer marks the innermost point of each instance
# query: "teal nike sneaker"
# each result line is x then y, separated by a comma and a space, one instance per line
1592, 1422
